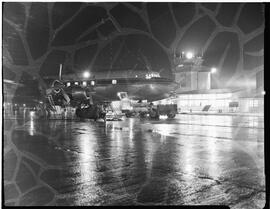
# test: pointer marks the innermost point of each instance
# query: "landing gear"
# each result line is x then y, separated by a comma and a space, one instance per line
143, 114
154, 114
128, 114
91, 112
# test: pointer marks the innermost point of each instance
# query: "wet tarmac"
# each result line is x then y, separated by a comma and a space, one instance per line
189, 160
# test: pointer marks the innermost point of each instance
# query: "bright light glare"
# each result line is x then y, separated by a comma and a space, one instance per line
263, 92
76, 83
189, 55
92, 83
32, 113
213, 70
86, 74
68, 84
84, 83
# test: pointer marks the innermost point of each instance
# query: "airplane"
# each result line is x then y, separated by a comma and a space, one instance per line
91, 95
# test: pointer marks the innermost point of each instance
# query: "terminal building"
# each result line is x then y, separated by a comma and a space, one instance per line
194, 93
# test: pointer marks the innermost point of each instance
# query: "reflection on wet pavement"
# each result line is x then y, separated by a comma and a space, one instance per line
192, 159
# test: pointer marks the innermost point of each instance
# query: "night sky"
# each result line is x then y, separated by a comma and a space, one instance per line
37, 37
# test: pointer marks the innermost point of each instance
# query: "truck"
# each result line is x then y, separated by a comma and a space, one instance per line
151, 110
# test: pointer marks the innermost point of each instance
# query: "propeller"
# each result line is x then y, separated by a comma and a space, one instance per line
58, 87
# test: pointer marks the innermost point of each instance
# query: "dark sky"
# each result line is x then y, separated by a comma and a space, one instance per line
141, 36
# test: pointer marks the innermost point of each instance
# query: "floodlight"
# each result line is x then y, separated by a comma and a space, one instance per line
86, 74
189, 55
213, 70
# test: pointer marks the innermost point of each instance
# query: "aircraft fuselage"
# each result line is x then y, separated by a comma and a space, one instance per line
136, 88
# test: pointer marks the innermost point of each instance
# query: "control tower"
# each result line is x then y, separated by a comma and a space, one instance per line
190, 74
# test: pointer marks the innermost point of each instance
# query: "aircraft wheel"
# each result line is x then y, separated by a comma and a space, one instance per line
128, 114
171, 115
154, 114
142, 114
77, 113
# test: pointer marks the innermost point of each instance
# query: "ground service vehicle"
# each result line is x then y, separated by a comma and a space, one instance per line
151, 110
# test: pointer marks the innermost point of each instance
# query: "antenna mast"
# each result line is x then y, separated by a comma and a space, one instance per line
60, 72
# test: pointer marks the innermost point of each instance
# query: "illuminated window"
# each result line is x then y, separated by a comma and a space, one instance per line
92, 83
223, 102
196, 96
211, 96
218, 96
184, 103
220, 103
114, 81
76, 83
224, 96
84, 83
68, 84
227, 95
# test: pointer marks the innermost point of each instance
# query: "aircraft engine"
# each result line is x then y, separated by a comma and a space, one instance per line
77, 93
